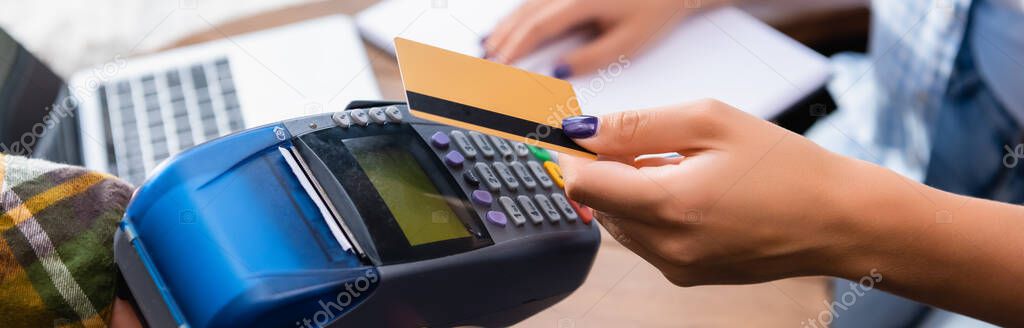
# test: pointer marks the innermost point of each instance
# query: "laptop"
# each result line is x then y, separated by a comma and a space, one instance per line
131, 114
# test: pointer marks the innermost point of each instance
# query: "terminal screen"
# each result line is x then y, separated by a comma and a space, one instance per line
421, 211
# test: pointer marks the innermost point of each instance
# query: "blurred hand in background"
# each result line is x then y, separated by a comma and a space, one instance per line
624, 28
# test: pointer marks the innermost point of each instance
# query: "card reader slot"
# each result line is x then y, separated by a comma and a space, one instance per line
337, 226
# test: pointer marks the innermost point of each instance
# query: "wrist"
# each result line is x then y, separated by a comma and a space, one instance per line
879, 213
867, 204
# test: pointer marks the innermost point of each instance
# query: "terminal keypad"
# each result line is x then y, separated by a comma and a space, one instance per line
511, 183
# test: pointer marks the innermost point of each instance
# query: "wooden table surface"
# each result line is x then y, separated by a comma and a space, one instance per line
622, 290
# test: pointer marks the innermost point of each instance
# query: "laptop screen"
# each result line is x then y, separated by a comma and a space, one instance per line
28, 90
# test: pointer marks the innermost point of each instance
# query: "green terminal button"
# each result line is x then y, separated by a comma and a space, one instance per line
540, 153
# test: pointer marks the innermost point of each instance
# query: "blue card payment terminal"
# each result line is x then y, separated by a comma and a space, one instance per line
364, 217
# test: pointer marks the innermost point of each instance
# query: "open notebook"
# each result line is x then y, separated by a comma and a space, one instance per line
722, 53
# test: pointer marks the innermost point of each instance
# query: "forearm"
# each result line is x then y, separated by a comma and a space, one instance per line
959, 253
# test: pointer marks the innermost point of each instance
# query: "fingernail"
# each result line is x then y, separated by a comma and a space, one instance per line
562, 71
580, 127
483, 44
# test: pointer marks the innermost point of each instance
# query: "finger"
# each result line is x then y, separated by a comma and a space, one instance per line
683, 129
615, 227
612, 187
543, 24
616, 45
123, 315
504, 28
649, 242
649, 235
570, 164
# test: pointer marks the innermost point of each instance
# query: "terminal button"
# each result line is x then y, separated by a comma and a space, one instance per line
548, 208
503, 148
359, 116
394, 114
481, 142
564, 205
482, 198
520, 149
540, 153
377, 115
488, 177
531, 210
342, 119
506, 175
542, 176
454, 159
440, 140
524, 175
510, 207
471, 178
555, 172
497, 218
586, 214
464, 144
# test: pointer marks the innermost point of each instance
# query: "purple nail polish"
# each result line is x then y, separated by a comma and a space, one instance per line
483, 44
580, 127
562, 71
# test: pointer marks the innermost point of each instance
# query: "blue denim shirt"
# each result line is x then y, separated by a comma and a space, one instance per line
918, 103
997, 43
889, 99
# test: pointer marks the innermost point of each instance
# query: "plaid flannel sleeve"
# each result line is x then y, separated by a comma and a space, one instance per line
56, 239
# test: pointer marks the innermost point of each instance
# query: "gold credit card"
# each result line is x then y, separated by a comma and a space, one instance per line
484, 96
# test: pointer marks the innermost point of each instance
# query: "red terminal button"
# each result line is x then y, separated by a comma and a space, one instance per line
586, 214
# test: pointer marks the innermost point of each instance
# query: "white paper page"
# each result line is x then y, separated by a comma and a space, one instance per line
724, 54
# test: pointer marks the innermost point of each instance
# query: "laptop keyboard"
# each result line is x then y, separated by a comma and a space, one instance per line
152, 117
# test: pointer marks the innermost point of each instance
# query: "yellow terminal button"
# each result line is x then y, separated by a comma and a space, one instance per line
555, 172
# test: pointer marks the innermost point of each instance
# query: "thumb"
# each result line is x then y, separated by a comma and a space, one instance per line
610, 186
685, 129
